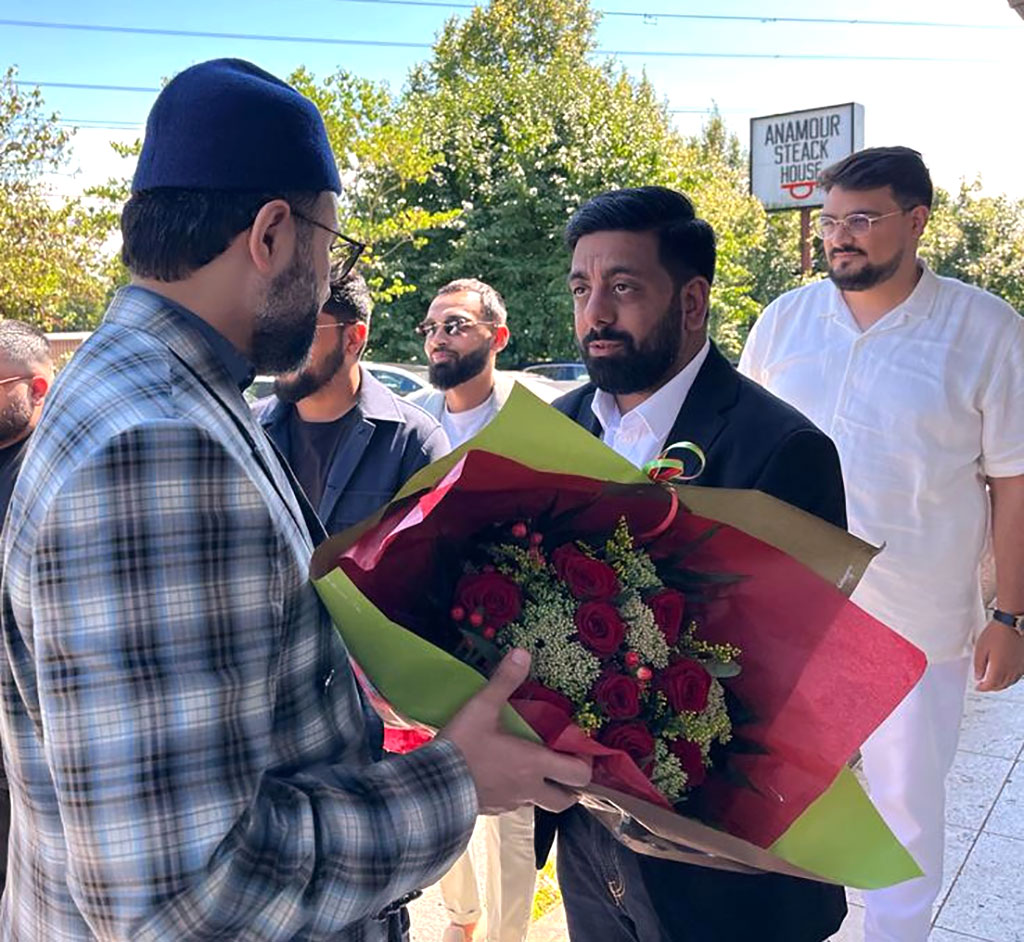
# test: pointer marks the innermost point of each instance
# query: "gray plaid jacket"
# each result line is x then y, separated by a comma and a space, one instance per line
183, 736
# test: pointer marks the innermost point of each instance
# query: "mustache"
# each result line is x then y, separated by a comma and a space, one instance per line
606, 334
846, 248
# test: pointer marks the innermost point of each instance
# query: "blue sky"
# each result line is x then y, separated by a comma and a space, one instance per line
954, 103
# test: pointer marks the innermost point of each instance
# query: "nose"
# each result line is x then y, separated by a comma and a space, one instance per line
596, 309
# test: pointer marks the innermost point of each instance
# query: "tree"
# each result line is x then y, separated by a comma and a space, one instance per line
381, 156
53, 265
978, 239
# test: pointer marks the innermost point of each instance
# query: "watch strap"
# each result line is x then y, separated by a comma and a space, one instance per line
1016, 622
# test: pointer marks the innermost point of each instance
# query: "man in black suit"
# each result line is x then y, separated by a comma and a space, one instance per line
642, 269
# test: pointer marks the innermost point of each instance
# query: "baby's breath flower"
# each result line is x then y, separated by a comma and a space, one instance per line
642, 634
668, 777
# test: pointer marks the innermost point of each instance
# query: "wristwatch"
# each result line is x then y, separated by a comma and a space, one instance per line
1016, 622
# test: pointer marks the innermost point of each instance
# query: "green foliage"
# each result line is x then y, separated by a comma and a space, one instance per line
978, 239
54, 267
381, 156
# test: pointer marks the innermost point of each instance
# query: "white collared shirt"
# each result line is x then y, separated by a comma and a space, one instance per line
641, 434
923, 406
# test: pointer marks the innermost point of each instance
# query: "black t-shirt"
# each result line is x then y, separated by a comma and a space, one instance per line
311, 449
10, 465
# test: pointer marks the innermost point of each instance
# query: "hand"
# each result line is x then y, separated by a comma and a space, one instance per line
508, 771
998, 657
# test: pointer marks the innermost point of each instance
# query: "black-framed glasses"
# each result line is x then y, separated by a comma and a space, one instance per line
452, 326
857, 224
345, 252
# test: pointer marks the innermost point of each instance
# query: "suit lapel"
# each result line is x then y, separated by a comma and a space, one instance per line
703, 413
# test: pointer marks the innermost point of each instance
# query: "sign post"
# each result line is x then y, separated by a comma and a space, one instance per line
789, 151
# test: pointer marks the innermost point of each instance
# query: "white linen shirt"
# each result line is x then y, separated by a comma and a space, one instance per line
641, 434
923, 406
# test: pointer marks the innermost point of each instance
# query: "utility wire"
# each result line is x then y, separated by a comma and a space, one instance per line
333, 41
766, 19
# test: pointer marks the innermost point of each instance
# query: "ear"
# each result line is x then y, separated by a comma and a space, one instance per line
271, 240
355, 337
501, 337
919, 216
39, 387
694, 298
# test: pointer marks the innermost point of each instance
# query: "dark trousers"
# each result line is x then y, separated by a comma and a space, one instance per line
612, 894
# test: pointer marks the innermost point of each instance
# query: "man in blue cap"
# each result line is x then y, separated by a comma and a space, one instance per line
186, 747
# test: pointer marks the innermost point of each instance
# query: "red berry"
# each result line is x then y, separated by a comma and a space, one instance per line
644, 674
489, 632
458, 613
536, 538
632, 659
519, 530
476, 619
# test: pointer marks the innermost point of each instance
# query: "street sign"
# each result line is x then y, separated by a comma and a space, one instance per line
788, 151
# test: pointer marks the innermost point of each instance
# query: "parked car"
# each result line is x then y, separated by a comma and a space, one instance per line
401, 379
563, 376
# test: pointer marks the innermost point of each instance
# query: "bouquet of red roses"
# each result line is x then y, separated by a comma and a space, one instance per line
633, 594
612, 652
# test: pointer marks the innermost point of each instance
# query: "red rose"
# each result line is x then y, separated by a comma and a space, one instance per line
618, 695
586, 578
686, 684
492, 594
668, 607
534, 690
600, 627
691, 759
634, 739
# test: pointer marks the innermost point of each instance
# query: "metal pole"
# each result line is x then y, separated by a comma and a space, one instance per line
805, 241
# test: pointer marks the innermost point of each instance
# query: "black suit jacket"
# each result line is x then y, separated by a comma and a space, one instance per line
751, 440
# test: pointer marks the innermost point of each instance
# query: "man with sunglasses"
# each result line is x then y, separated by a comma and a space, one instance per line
188, 753
351, 442
919, 380
465, 329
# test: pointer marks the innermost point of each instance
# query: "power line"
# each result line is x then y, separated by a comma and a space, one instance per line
86, 85
333, 41
765, 19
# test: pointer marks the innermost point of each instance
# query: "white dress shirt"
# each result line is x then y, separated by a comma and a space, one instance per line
641, 434
923, 406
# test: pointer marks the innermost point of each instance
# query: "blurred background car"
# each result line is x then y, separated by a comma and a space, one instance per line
402, 379
565, 376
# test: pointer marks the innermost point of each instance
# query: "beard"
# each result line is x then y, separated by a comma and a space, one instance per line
866, 276
448, 374
641, 366
291, 387
15, 419
284, 327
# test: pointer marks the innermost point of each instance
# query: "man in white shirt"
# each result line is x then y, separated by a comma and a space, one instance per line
642, 268
465, 329
919, 380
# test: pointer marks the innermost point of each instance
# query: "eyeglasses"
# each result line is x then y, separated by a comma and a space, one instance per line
336, 324
857, 224
452, 326
14, 379
345, 252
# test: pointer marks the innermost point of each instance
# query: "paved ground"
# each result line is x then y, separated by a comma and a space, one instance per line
982, 898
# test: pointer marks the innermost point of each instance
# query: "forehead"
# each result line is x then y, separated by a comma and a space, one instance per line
841, 202
457, 304
603, 254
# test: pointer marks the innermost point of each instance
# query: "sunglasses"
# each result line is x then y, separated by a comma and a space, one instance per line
452, 326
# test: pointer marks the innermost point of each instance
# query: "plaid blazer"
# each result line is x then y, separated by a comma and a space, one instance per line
183, 736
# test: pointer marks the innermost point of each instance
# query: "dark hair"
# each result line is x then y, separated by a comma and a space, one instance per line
350, 299
168, 233
491, 301
686, 244
898, 167
24, 343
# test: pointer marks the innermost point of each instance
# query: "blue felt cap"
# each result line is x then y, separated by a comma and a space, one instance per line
228, 125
